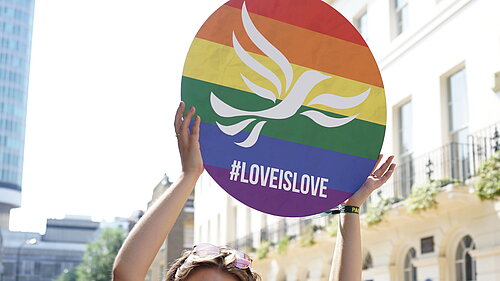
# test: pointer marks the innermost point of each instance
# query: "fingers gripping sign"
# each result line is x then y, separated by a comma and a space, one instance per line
187, 141
377, 178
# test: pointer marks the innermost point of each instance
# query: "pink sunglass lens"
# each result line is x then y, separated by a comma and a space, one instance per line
206, 250
242, 264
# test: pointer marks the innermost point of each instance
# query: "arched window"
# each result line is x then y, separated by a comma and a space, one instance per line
410, 271
465, 265
367, 262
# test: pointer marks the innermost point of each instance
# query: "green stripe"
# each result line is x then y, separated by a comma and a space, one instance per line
358, 137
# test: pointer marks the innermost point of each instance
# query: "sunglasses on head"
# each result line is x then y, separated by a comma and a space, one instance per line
207, 250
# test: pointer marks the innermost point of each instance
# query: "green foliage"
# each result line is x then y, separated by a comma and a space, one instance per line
99, 256
263, 249
307, 237
488, 186
68, 275
376, 211
423, 196
333, 226
283, 245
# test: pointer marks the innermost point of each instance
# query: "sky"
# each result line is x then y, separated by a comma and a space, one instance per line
104, 85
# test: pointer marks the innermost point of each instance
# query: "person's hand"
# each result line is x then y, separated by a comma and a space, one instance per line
376, 179
189, 147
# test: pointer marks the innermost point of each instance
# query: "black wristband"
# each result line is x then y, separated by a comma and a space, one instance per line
343, 209
349, 209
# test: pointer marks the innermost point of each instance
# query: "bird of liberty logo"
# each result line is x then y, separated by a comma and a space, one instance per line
297, 92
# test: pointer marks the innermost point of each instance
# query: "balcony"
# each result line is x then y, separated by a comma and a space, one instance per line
289, 228
455, 162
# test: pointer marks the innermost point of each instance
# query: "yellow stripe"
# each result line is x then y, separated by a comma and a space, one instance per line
219, 64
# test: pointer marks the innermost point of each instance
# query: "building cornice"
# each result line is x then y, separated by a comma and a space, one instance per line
406, 41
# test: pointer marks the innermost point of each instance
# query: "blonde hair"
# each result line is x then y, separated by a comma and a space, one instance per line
181, 268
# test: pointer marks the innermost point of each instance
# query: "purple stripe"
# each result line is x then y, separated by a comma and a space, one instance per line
274, 201
344, 172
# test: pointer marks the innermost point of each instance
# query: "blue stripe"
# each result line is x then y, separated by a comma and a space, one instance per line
344, 172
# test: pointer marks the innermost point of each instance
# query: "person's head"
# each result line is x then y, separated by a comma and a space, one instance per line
211, 263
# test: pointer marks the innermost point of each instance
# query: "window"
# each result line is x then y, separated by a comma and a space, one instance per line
37, 268
48, 270
401, 16
189, 205
458, 113
8, 11
27, 267
465, 265
458, 119
218, 229
9, 269
405, 143
427, 245
361, 23
410, 271
188, 235
162, 272
199, 233
367, 261
208, 233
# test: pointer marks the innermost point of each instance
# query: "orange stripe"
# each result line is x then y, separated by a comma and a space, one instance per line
301, 46
314, 15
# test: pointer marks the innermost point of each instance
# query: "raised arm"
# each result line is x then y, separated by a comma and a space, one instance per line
346, 263
145, 239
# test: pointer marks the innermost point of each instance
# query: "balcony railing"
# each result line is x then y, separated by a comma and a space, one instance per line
292, 228
454, 161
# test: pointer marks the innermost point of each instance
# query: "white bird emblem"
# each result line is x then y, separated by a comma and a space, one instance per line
291, 103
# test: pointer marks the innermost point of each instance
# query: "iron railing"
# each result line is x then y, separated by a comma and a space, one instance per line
292, 228
453, 162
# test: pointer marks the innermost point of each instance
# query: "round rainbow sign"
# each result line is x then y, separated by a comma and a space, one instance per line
291, 102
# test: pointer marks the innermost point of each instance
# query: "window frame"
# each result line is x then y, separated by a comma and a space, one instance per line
362, 25
451, 131
405, 175
398, 27
456, 136
462, 262
408, 265
367, 261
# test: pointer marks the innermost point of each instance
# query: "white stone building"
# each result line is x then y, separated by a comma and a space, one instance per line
440, 62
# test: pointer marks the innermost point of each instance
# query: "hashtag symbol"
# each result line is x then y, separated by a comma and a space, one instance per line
235, 170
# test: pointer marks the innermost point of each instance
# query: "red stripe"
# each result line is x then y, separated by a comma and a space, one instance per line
320, 17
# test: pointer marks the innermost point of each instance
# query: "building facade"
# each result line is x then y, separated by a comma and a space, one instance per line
16, 20
179, 239
36, 257
440, 62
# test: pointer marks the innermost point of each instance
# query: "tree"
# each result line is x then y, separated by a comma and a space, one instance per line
68, 275
99, 256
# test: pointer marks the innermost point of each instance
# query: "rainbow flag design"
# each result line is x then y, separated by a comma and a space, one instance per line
291, 101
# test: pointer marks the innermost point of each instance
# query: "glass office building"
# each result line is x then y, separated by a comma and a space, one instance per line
16, 21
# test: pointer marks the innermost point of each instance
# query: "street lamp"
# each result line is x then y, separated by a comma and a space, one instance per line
31, 241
